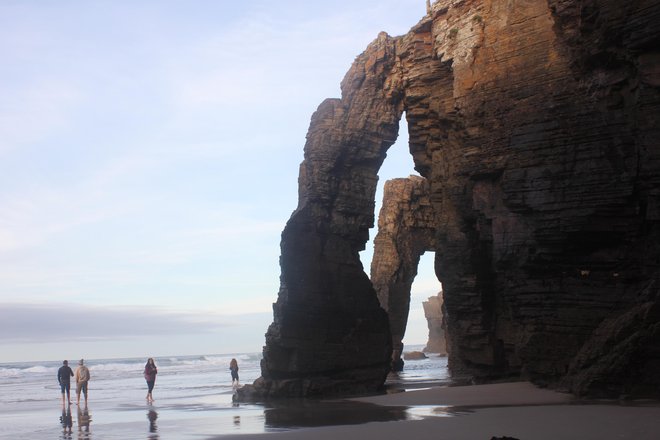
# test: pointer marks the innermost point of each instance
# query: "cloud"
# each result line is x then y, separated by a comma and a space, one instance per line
30, 323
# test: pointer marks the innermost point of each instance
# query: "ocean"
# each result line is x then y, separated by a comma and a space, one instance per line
193, 399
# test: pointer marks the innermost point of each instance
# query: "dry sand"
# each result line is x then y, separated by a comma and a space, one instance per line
518, 410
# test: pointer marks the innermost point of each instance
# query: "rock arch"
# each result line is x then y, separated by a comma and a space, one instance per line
406, 229
535, 123
329, 333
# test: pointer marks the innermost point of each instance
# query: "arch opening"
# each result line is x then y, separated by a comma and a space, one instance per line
398, 163
406, 231
424, 326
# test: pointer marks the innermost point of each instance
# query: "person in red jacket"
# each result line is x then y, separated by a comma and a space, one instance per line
233, 367
150, 372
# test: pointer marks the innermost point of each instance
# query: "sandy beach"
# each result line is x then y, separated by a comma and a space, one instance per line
519, 410
194, 401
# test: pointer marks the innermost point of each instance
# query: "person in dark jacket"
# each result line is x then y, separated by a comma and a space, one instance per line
150, 372
64, 375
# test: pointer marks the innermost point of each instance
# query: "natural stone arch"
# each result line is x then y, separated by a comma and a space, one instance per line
406, 229
329, 334
536, 125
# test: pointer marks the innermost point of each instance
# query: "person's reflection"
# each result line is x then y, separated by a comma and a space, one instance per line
153, 428
67, 421
84, 420
237, 419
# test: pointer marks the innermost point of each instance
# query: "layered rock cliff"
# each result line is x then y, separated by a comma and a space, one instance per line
536, 125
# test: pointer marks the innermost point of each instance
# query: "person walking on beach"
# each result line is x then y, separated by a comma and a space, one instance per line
150, 372
82, 377
64, 375
233, 367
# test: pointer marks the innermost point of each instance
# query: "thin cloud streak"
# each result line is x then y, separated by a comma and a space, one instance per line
30, 323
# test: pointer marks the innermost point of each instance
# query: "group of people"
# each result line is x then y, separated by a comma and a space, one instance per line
82, 376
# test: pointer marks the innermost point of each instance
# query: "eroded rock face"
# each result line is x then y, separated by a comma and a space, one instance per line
406, 229
536, 125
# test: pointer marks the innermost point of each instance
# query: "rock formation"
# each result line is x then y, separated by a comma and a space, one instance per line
536, 124
414, 355
543, 162
329, 333
434, 318
406, 229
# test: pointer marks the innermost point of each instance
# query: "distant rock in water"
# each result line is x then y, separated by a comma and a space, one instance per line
435, 321
414, 355
536, 127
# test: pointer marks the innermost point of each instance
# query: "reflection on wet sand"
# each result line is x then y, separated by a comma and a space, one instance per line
152, 416
309, 413
67, 422
237, 418
84, 420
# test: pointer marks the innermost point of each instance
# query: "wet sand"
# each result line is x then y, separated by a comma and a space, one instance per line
518, 410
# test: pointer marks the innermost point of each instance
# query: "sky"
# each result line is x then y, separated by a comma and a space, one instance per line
149, 153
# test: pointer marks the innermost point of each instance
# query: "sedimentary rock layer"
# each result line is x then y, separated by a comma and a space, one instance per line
536, 125
542, 157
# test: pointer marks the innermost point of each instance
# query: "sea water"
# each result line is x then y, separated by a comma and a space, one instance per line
122, 379
193, 399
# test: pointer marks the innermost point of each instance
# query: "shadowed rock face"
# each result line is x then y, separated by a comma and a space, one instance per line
543, 164
536, 125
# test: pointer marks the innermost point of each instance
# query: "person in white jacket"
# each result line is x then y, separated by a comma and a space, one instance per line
82, 377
